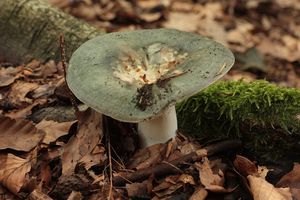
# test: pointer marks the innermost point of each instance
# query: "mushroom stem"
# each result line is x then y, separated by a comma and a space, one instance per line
159, 129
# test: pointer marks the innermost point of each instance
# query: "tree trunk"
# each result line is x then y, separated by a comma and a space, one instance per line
31, 29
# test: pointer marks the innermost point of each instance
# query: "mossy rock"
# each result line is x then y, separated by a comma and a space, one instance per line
263, 115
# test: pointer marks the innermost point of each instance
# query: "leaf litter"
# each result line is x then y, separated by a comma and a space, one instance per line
71, 160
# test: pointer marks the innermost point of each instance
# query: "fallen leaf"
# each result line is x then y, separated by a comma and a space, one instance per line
292, 180
6, 195
211, 181
34, 64
188, 148
18, 134
150, 17
168, 186
137, 189
45, 173
242, 36
244, 166
185, 178
60, 3
48, 69
147, 157
289, 3
262, 171
44, 90
288, 51
96, 157
19, 90
235, 75
89, 134
9, 75
53, 130
178, 20
262, 190
38, 195
13, 170
199, 194
75, 195
24, 112
148, 5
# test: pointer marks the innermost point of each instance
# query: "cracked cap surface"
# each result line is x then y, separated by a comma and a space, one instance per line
133, 76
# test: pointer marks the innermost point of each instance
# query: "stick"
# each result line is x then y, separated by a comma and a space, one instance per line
168, 168
64, 65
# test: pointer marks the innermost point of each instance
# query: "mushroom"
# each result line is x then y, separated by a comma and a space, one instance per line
138, 76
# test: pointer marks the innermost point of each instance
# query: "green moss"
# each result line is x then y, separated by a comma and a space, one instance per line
263, 115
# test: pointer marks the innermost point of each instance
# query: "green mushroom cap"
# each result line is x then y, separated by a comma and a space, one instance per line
134, 76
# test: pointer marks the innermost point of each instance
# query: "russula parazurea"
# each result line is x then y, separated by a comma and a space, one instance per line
138, 76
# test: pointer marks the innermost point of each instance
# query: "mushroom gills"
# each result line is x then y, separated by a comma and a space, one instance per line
159, 129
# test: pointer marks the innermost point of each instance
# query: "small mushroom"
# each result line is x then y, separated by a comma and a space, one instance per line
138, 76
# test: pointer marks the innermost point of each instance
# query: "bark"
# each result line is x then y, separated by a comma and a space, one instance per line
31, 29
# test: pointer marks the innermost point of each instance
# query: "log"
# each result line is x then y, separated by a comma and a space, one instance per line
31, 29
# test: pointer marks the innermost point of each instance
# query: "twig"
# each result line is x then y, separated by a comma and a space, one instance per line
110, 195
165, 169
64, 65
107, 136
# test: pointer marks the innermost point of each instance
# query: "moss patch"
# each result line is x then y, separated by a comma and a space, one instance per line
263, 115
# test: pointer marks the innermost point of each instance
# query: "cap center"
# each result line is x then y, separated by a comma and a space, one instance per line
148, 64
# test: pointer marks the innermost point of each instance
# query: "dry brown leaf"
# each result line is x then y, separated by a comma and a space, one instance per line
60, 3
53, 130
262, 171
137, 189
45, 173
48, 69
87, 138
178, 20
9, 75
288, 52
97, 156
242, 36
262, 190
244, 166
168, 186
235, 75
24, 112
185, 178
34, 64
188, 148
183, 6
289, 3
6, 195
211, 181
292, 180
147, 157
171, 146
38, 195
18, 134
88, 12
199, 194
19, 90
150, 17
75, 195
148, 5
44, 90
13, 170
214, 29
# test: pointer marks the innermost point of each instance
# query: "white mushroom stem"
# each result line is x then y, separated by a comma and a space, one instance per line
159, 129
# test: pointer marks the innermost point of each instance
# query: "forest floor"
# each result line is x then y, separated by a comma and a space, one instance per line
54, 156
